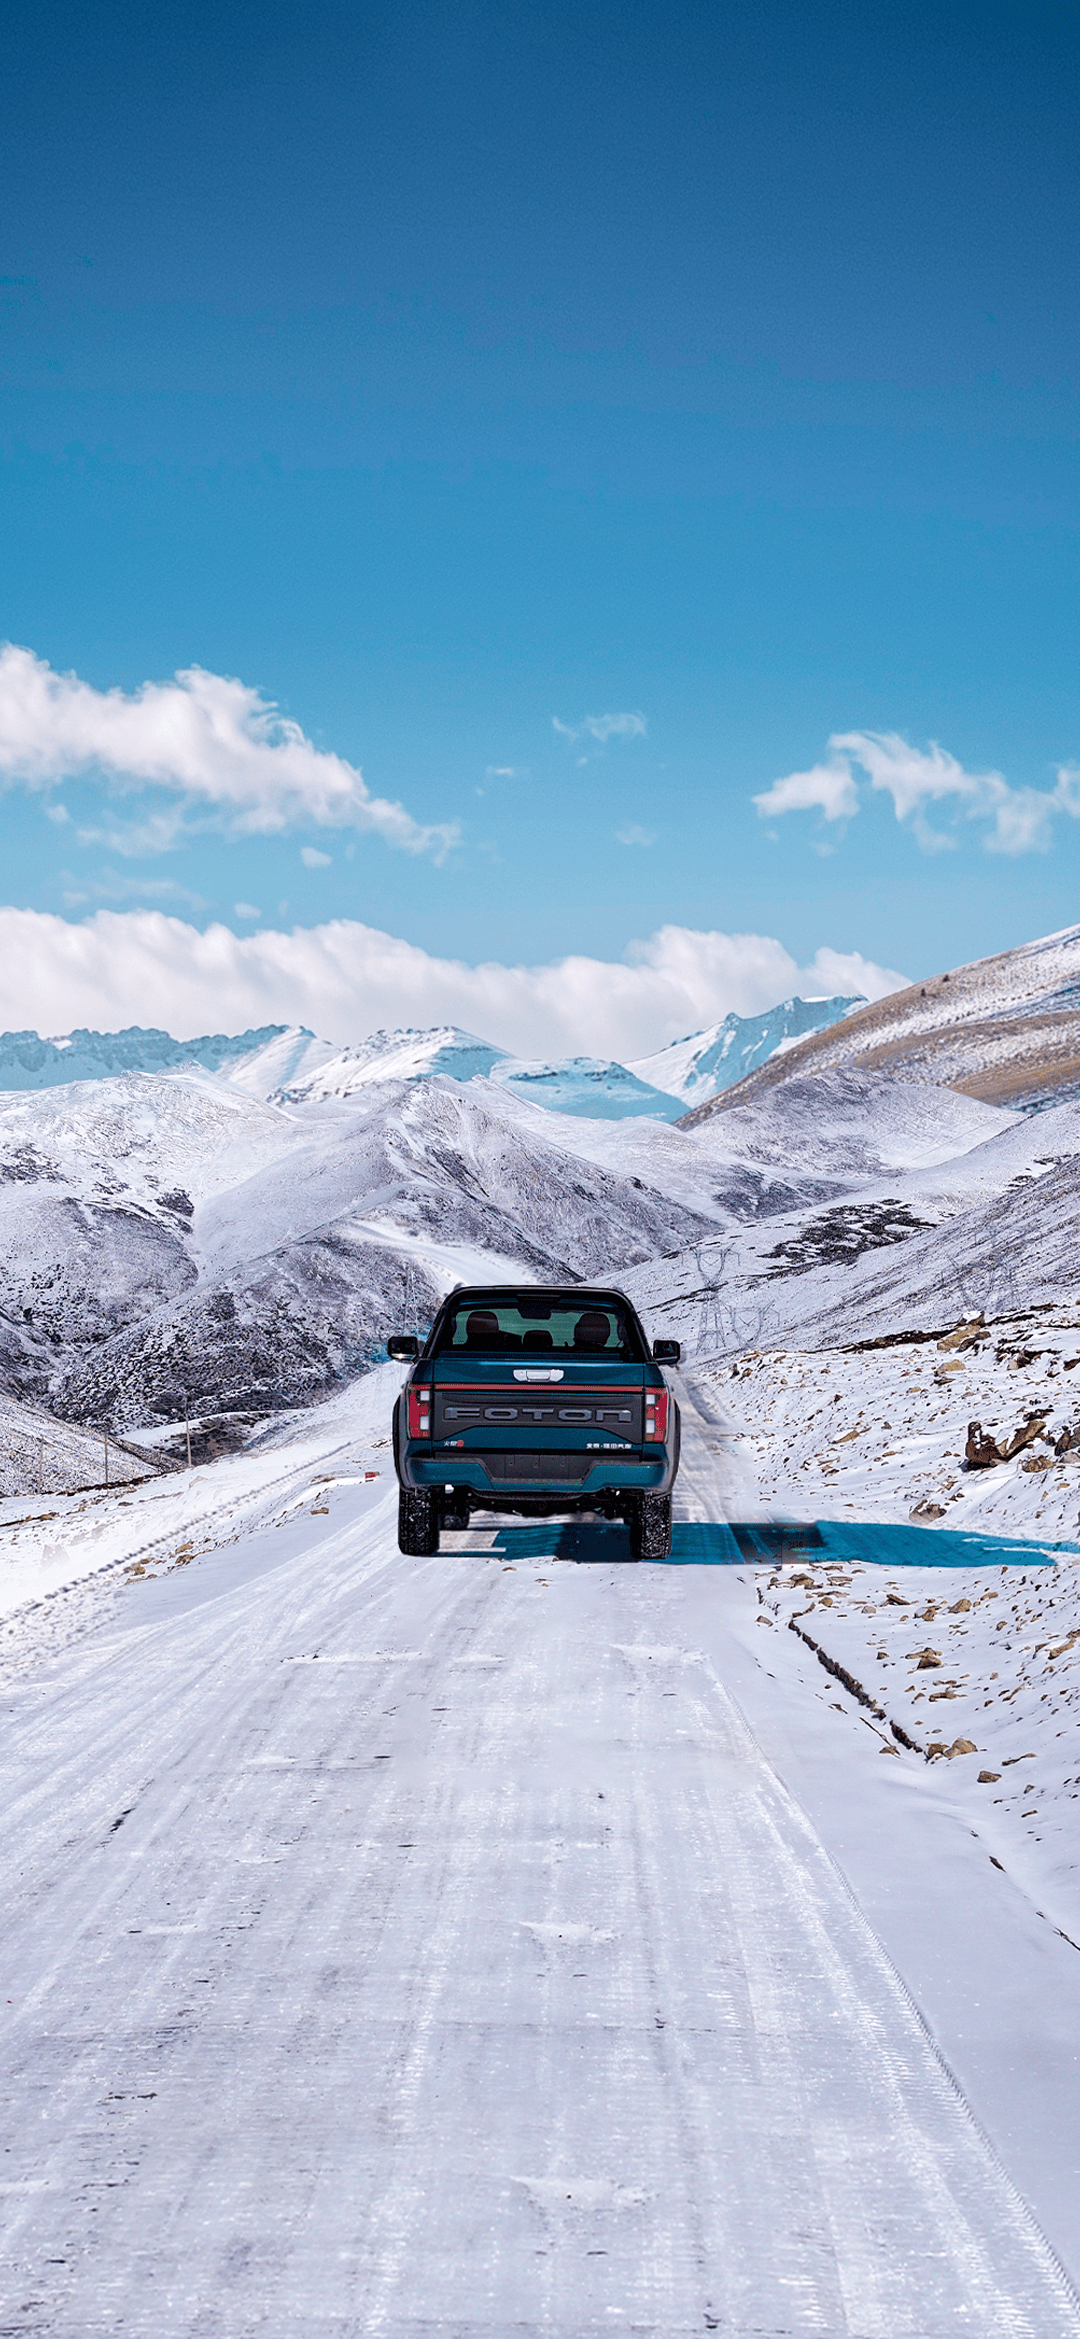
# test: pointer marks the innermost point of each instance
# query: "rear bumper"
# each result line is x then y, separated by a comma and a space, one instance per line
497, 1480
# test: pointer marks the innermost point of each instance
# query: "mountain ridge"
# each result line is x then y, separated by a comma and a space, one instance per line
28, 1062
1004, 1029
707, 1062
287, 1064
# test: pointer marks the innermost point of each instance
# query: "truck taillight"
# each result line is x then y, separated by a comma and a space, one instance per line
419, 1411
656, 1405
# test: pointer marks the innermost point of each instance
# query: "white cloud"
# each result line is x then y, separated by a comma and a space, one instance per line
345, 979
1067, 791
828, 788
603, 727
156, 832
1021, 819
313, 859
218, 748
247, 911
633, 835
502, 771
110, 887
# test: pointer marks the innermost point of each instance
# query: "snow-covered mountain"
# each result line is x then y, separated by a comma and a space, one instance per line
29, 1062
247, 1235
282, 1060
340, 1073
168, 1234
587, 1086
710, 1061
1005, 1028
167, 1238
572, 1084
163, 1235
287, 1064
595, 1087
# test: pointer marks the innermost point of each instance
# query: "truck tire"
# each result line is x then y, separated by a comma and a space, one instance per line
650, 1527
417, 1524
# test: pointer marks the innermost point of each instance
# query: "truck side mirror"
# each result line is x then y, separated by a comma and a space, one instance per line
403, 1347
666, 1351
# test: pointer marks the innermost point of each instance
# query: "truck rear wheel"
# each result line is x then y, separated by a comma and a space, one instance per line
418, 1524
650, 1527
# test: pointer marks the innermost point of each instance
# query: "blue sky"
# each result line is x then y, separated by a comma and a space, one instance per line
441, 372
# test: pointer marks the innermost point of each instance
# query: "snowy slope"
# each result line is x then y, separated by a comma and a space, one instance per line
878, 1433
42, 1455
710, 1061
996, 1229
850, 1124
810, 1142
1006, 1029
291, 1053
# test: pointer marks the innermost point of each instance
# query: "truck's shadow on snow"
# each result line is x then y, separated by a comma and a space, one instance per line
600, 1543
769, 1543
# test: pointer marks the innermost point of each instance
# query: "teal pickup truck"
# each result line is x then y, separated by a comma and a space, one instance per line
535, 1400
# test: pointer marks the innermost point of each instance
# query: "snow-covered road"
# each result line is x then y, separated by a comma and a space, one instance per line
426, 1947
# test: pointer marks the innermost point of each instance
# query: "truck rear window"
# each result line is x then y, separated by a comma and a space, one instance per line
561, 1327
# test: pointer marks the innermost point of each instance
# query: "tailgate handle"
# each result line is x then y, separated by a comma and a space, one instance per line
546, 1372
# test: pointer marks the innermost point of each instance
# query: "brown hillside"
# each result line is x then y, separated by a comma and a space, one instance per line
1005, 1029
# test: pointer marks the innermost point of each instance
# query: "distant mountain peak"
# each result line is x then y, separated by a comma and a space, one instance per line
591, 1087
708, 1062
403, 1054
29, 1062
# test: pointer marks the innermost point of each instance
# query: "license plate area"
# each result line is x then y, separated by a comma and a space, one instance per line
514, 1467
